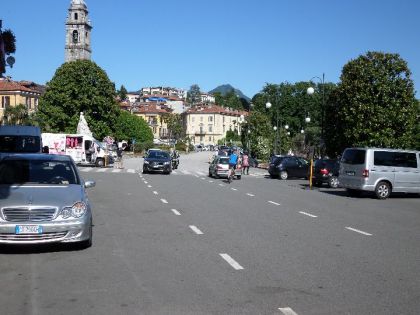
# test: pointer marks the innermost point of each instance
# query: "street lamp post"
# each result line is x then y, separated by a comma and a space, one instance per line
276, 127
311, 91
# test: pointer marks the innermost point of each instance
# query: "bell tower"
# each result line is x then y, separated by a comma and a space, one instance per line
78, 28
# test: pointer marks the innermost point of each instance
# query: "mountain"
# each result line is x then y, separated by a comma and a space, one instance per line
225, 88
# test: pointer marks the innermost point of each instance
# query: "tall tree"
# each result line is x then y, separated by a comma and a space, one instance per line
122, 93
79, 86
175, 128
374, 104
194, 95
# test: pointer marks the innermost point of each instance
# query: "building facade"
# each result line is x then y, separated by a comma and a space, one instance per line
13, 93
207, 124
154, 115
78, 31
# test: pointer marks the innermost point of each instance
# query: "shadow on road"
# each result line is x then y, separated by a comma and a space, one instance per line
37, 249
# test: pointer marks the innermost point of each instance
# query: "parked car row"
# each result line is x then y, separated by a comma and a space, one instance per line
378, 170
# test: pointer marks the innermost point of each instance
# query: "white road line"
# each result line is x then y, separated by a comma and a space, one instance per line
358, 231
155, 192
203, 178
251, 195
221, 185
176, 212
117, 170
231, 262
274, 203
196, 230
130, 170
197, 176
146, 182
185, 172
164, 200
174, 172
234, 189
200, 173
150, 186
308, 214
210, 181
287, 311
101, 170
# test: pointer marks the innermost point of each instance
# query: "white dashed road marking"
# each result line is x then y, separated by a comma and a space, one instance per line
85, 169
231, 262
131, 171
234, 189
308, 214
150, 186
185, 172
287, 311
155, 192
101, 170
221, 185
164, 200
117, 170
146, 182
210, 181
196, 230
176, 212
358, 231
251, 195
274, 203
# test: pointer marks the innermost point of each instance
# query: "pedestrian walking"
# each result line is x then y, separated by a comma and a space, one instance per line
245, 163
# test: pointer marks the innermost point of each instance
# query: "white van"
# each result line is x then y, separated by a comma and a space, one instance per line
380, 170
84, 149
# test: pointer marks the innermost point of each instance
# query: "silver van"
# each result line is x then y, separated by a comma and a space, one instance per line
380, 170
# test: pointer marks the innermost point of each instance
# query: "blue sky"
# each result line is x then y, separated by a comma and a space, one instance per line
246, 43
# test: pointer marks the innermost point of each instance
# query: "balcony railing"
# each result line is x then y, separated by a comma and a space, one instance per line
200, 132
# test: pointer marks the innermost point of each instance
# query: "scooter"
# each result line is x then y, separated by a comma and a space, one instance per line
175, 163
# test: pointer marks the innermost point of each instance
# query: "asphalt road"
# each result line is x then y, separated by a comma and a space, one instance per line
188, 244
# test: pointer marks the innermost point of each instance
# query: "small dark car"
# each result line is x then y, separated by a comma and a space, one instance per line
326, 172
288, 166
157, 161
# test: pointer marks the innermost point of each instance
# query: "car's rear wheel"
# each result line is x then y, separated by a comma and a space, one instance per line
383, 190
333, 182
284, 175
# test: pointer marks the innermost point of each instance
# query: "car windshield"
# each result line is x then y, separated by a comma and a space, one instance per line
26, 144
158, 155
37, 172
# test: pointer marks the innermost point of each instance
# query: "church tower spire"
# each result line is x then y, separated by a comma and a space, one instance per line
78, 28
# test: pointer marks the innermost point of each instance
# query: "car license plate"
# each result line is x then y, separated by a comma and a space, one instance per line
350, 173
28, 229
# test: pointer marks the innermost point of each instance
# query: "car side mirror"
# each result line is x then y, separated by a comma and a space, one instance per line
90, 183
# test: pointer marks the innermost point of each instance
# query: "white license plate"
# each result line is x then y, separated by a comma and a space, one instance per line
28, 229
350, 173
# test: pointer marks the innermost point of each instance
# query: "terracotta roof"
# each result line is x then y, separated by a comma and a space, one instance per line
150, 109
12, 86
215, 109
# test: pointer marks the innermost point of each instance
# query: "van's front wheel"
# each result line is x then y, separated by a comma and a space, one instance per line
383, 190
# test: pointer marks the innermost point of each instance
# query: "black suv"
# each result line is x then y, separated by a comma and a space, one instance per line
288, 166
326, 172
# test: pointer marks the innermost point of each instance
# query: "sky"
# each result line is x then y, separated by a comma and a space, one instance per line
246, 43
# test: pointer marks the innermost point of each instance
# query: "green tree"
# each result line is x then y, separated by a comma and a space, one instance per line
261, 136
16, 115
175, 127
129, 126
374, 105
122, 93
194, 95
79, 86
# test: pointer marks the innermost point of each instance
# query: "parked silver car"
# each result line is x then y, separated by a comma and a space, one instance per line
380, 170
43, 200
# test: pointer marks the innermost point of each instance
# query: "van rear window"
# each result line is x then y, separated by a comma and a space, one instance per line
20, 144
354, 156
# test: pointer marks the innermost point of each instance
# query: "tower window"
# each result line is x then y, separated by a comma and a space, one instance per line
76, 16
75, 37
